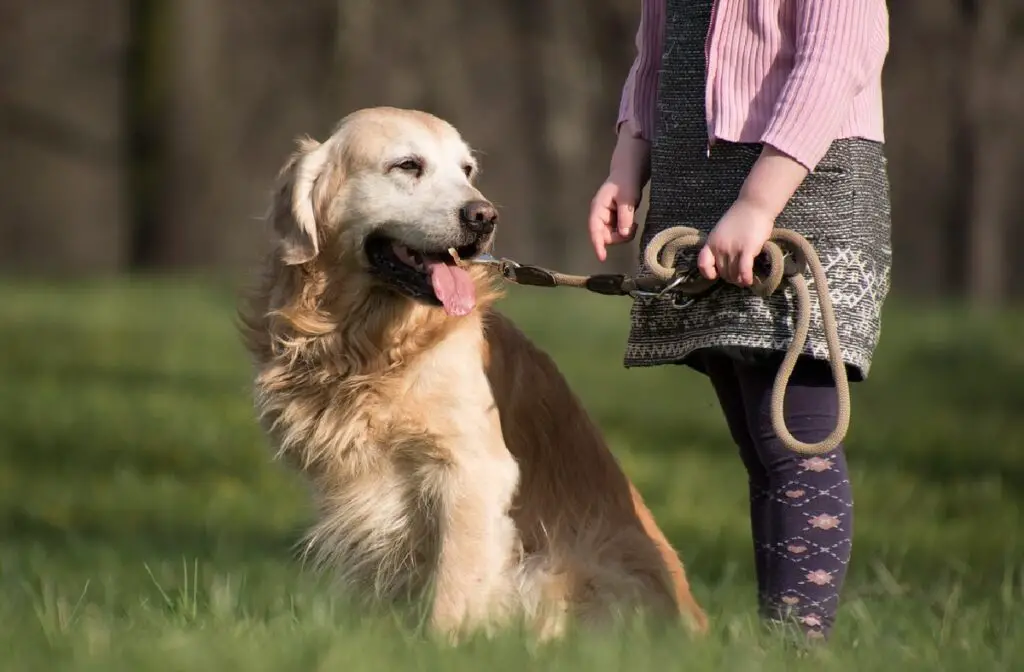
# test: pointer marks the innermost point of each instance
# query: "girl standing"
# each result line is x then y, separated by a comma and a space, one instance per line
744, 115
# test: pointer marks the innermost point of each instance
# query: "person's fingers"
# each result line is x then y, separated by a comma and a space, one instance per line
600, 220
625, 212
599, 237
721, 267
723, 262
706, 263
745, 271
612, 218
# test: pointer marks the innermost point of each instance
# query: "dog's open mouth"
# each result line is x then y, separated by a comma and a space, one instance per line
435, 277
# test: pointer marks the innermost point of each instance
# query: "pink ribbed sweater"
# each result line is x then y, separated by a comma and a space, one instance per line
795, 74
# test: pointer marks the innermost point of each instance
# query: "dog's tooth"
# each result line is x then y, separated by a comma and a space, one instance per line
455, 255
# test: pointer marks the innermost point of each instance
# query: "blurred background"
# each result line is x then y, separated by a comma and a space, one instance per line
143, 522
144, 134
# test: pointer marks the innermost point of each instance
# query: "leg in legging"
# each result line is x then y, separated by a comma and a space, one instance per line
810, 499
721, 371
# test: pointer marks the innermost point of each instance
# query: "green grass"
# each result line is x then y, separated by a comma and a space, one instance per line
144, 526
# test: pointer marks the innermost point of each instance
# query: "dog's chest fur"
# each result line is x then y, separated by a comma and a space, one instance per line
446, 388
424, 448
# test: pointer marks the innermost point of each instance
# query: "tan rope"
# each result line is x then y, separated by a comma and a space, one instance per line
660, 258
569, 280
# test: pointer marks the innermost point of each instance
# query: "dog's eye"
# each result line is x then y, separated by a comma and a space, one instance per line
468, 170
410, 165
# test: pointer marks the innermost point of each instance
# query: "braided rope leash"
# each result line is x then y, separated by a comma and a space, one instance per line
664, 279
660, 258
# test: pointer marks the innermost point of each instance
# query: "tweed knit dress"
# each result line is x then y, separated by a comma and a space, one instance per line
842, 208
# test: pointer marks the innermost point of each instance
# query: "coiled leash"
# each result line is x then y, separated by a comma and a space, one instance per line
782, 265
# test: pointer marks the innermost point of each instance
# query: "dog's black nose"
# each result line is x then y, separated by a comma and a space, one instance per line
479, 216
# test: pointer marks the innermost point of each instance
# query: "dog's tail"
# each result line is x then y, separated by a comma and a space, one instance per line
601, 575
684, 598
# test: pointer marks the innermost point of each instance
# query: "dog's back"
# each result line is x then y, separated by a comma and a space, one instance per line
591, 542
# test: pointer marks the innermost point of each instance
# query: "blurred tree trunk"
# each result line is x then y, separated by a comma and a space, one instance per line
192, 201
922, 82
576, 109
569, 115
145, 99
245, 79
62, 187
993, 100
528, 17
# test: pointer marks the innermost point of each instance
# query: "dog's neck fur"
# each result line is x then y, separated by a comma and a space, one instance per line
310, 328
377, 328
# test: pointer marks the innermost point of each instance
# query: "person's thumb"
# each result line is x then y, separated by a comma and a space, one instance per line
706, 263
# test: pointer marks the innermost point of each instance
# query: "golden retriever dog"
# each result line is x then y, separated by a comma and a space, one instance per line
450, 462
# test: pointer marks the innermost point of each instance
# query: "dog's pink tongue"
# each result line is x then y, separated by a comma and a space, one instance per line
453, 287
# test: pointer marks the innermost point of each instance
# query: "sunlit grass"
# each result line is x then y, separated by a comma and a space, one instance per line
144, 526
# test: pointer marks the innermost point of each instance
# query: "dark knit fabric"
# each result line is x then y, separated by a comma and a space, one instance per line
842, 208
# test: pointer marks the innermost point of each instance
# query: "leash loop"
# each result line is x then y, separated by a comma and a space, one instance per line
787, 255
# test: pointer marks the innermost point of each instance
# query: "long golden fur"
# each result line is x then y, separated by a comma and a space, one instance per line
447, 455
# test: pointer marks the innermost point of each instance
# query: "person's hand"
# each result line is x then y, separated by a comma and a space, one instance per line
743, 230
611, 215
613, 207
735, 241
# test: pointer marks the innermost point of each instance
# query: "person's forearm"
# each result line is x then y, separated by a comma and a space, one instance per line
631, 159
772, 181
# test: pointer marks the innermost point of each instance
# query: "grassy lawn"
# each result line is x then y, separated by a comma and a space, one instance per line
144, 526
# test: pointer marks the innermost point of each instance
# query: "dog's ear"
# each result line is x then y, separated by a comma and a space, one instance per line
295, 208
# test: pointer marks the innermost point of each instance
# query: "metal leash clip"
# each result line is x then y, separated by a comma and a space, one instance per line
646, 287
486, 259
670, 286
507, 267
675, 282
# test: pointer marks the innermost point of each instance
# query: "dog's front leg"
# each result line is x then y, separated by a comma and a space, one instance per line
474, 587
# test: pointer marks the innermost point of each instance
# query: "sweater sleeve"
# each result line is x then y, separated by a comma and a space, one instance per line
838, 45
640, 92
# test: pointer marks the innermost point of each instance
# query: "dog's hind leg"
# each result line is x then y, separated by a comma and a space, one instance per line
595, 578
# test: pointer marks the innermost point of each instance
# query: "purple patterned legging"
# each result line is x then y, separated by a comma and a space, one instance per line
801, 507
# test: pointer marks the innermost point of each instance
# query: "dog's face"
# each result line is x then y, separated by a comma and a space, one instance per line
392, 189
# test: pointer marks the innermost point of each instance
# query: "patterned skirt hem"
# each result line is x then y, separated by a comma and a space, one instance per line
646, 354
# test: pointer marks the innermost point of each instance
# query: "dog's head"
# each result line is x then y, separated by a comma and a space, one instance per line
390, 194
